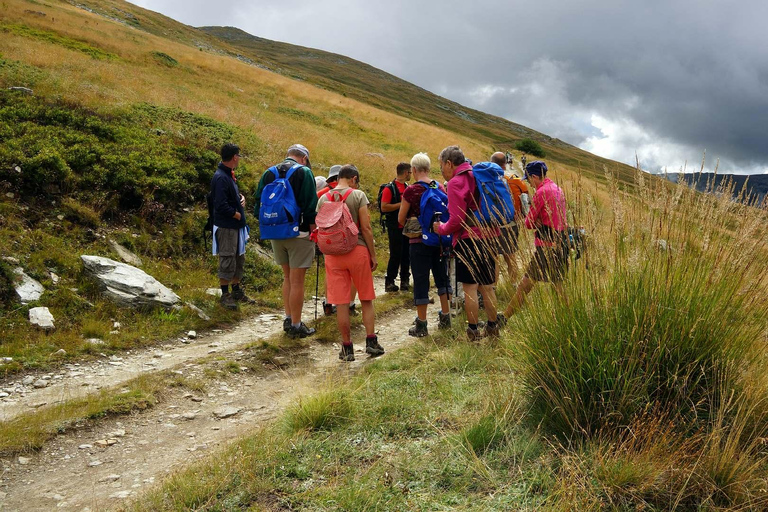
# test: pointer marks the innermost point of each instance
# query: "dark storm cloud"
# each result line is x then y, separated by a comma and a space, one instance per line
665, 79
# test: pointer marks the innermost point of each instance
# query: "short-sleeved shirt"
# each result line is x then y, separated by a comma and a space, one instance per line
517, 187
386, 196
356, 200
413, 195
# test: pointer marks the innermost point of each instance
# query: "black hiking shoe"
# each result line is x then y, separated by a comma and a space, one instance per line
372, 346
419, 329
287, 325
352, 309
390, 287
328, 309
302, 331
347, 353
227, 301
405, 286
240, 296
480, 302
443, 320
501, 320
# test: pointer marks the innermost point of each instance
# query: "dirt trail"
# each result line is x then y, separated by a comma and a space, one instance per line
73, 472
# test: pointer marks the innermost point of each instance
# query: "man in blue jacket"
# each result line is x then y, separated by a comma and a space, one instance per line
229, 229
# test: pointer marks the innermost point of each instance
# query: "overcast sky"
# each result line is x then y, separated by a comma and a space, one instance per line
666, 80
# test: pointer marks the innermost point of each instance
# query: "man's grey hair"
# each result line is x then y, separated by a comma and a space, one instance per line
421, 162
452, 154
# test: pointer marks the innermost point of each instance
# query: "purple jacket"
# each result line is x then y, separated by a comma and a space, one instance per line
462, 198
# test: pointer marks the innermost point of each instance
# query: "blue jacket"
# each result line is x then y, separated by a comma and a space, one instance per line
226, 199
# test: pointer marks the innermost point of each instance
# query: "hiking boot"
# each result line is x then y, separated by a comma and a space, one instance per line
480, 302
347, 353
352, 309
443, 320
474, 334
287, 325
390, 287
240, 296
372, 346
492, 330
405, 286
302, 331
419, 329
328, 309
227, 301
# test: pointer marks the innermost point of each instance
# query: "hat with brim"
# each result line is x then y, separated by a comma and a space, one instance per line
301, 149
334, 172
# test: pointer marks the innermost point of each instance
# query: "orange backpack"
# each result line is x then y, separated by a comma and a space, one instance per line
336, 231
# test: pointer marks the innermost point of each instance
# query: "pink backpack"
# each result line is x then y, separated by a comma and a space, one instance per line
336, 231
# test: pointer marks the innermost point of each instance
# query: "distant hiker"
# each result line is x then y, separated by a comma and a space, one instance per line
356, 266
320, 183
473, 246
330, 181
230, 232
548, 218
427, 250
286, 202
399, 255
509, 234
522, 161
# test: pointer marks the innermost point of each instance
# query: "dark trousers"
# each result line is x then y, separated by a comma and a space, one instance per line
398, 255
426, 258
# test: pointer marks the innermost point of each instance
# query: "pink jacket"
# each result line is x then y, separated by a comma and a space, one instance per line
462, 197
547, 213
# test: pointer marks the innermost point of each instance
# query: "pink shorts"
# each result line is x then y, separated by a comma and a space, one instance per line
354, 267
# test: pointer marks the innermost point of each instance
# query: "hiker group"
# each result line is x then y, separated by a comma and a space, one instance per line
461, 229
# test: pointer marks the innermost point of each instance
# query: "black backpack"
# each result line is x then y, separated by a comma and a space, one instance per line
208, 223
395, 199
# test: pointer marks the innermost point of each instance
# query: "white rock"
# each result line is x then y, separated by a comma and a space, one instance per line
110, 478
117, 433
192, 334
60, 352
9, 195
27, 288
125, 255
6, 359
200, 312
54, 278
128, 285
216, 292
95, 463
189, 415
11, 260
226, 412
28, 380
39, 384
94, 341
121, 495
85, 446
3, 394
24, 460
42, 318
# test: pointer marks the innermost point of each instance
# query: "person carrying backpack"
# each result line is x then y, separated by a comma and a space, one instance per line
399, 254
548, 218
473, 243
356, 266
230, 232
285, 203
509, 233
426, 200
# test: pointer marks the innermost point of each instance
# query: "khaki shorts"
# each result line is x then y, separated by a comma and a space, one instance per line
294, 252
230, 263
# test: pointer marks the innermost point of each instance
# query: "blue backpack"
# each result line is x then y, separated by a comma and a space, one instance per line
279, 214
496, 206
433, 201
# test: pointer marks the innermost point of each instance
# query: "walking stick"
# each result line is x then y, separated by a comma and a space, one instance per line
317, 283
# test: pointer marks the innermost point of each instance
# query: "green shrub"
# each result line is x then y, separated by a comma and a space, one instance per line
80, 213
320, 412
165, 59
531, 147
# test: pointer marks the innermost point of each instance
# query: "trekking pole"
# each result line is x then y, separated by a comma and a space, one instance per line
317, 283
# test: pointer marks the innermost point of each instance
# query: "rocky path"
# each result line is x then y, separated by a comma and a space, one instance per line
97, 467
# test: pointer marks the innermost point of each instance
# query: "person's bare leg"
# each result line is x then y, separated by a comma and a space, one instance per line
489, 301
471, 306
287, 290
523, 289
511, 267
296, 293
421, 312
369, 316
342, 321
445, 303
